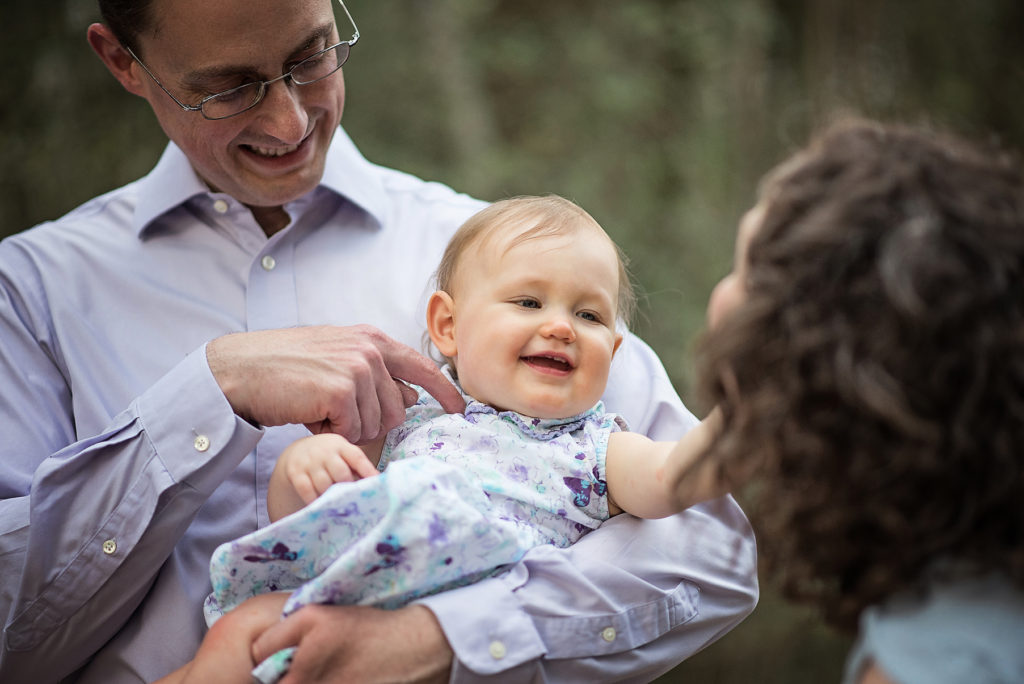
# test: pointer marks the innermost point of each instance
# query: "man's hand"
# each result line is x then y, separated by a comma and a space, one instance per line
346, 380
225, 656
359, 644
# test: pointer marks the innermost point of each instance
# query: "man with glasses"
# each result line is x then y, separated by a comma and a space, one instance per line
164, 342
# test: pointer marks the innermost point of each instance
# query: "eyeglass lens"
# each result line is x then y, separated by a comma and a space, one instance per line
310, 70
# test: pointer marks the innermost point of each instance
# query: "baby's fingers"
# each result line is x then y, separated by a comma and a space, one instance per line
302, 483
323, 478
339, 470
362, 466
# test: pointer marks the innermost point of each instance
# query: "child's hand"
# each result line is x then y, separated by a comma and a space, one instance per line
309, 466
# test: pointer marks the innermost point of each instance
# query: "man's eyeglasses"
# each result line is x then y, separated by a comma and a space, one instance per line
244, 97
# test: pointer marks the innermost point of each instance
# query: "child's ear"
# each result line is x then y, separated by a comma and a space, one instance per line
441, 322
618, 341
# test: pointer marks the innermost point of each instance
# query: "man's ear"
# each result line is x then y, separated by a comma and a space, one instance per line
115, 57
441, 322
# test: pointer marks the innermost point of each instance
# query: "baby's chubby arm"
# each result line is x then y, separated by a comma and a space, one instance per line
651, 479
308, 466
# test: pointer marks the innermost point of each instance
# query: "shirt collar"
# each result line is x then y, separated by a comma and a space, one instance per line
173, 182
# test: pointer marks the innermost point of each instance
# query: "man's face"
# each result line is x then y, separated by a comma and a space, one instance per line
275, 152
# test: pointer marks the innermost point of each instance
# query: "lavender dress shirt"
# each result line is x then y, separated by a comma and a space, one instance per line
122, 466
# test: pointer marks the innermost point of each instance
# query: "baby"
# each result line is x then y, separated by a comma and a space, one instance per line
531, 295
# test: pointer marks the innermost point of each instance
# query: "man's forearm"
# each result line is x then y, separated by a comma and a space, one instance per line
628, 601
105, 514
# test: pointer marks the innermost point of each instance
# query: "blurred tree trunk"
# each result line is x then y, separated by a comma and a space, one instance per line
840, 73
748, 84
468, 119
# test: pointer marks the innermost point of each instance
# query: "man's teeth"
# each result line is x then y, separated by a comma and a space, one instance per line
273, 151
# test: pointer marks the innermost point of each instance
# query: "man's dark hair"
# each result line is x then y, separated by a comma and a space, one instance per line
872, 382
127, 19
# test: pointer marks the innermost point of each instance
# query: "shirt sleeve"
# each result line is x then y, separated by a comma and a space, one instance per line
627, 602
85, 526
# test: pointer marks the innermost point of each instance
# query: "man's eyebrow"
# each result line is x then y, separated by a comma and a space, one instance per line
198, 77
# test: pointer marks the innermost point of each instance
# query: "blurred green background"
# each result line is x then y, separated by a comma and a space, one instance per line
658, 116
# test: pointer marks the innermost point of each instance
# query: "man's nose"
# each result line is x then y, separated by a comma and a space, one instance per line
281, 113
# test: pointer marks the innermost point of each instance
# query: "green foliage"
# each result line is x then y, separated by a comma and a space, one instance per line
778, 644
658, 116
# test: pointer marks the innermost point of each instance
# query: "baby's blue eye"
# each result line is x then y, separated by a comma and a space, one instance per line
528, 303
589, 316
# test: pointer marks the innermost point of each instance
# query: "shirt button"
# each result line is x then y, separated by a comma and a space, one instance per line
497, 650
268, 262
109, 547
220, 206
608, 634
201, 443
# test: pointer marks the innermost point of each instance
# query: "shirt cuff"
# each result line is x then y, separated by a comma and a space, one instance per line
189, 422
504, 639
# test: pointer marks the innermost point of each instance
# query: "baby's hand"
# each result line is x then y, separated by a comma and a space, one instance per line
309, 466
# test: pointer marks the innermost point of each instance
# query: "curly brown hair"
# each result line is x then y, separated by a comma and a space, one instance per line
872, 382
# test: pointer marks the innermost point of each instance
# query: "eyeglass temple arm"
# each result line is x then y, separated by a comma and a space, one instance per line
355, 29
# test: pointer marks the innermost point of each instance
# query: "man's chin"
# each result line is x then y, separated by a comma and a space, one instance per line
275, 192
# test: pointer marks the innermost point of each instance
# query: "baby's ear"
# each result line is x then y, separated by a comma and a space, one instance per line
618, 341
441, 322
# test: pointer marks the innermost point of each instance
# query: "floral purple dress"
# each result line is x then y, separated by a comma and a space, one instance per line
460, 496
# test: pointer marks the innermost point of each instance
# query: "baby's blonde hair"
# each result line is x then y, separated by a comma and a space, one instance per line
546, 216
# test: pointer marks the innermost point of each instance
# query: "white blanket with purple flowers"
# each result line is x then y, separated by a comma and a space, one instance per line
460, 496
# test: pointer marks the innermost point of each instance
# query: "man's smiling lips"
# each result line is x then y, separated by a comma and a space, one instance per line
271, 151
558, 364
277, 153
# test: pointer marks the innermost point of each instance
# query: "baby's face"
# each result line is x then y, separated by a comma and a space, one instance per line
731, 290
535, 323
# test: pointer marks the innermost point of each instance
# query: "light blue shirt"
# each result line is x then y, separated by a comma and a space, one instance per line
138, 468
971, 630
